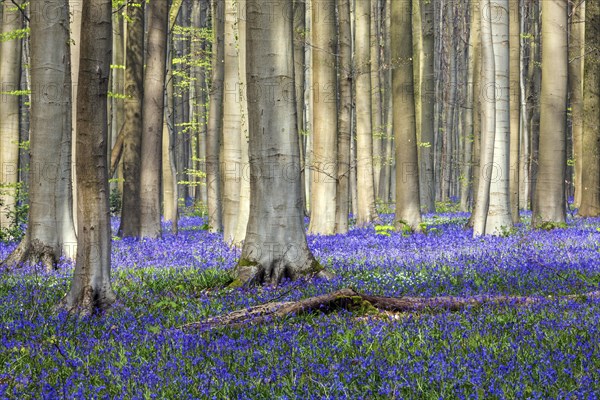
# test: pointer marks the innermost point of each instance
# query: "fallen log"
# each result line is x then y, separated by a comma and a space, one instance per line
351, 300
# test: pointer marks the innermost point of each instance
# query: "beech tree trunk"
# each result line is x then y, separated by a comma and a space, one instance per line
515, 102
408, 206
10, 73
344, 123
91, 289
275, 247
590, 195
364, 126
324, 126
153, 103
549, 203
215, 121
132, 145
50, 231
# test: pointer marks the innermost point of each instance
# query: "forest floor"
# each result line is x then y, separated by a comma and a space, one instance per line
153, 343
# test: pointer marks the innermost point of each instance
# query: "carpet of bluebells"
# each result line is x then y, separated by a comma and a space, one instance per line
146, 349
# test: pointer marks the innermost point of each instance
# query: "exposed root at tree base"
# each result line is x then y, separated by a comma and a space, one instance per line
349, 299
32, 252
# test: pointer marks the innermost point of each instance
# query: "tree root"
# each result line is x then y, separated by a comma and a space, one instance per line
351, 300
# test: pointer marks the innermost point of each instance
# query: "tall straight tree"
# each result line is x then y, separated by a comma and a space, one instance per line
344, 124
488, 121
10, 73
515, 102
275, 245
324, 126
408, 206
364, 126
427, 93
231, 144
549, 202
91, 287
576, 60
499, 212
215, 120
590, 195
154, 89
132, 131
50, 231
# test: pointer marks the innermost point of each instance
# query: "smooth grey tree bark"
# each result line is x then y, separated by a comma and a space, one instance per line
499, 211
231, 151
10, 73
50, 231
344, 124
364, 126
324, 126
576, 61
590, 195
427, 93
132, 145
91, 289
408, 206
515, 103
549, 202
152, 125
275, 247
215, 120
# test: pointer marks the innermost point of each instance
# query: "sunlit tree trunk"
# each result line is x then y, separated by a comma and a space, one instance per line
324, 161
117, 85
364, 127
153, 103
300, 48
215, 120
408, 208
549, 203
576, 57
231, 150
499, 212
50, 231
427, 93
169, 169
75, 42
244, 205
344, 123
275, 245
91, 287
590, 195
376, 103
515, 103
10, 73
132, 144
488, 121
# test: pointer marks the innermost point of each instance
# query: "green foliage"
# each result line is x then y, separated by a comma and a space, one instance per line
447, 206
115, 201
551, 225
16, 34
384, 230
17, 216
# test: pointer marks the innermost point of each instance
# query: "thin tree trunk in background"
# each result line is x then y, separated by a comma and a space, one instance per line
215, 121
344, 116
153, 103
524, 150
590, 195
408, 207
364, 127
244, 205
10, 73
576, 57
231, 151
488, 121
132, 145
118, 83
385, 181
515, 102
535, 80
324, 161
169, 169
471, 115
549, 199
300, 49
91, 287
376, 104
75, 8
427, 93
